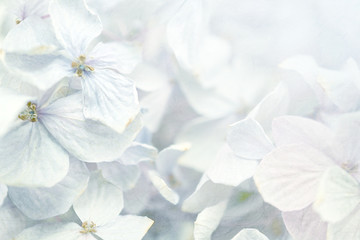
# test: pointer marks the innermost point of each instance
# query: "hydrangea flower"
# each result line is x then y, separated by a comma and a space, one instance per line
98, 209
108, 96
51, 128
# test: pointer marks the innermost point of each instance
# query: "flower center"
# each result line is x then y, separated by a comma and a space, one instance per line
349, 167
88, 227
29, 113
80, 66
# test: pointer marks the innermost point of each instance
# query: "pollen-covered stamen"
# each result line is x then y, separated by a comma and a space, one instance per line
88, 227
80, 66
29, 113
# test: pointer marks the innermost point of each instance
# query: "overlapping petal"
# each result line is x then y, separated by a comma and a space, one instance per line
101, 202
40, 203
87, 140
110, 98
74, 24
31, 157
288, 177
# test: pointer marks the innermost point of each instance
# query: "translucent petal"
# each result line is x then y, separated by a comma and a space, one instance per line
139, 152
75, 25
33, 36
205, 137
184, 31
3, 193
30, 157
125, 227
208, 220
115, 56
347, 228
110, 98
123, 176
11, 111
41, 203
207, 194
45, 69
305, 224
338, 195
168, 157
12, 220
229, 169
163, 188
85, 139
101, 202
60, 231
249, 234
288, 177
248, 139
294, 129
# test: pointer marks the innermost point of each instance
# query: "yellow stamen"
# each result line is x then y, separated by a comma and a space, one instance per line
80, 66
88, 227
29, 113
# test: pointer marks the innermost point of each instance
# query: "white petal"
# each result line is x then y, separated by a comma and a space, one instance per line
208, 102
125, 227
25, 9
137, 198
3, 193
348, 141
33, 36
75, 25
248, 139
229, 169
68, 231
115, 56
139, 152
155, 105
11, 104
276, 103
163, 188
205, 137
110, 98
30, 157
184, 31
346, 229
293, 129
87, 140
207, 194
341, 86
338, 195
12, 221
249, 234
41, 203
208, 220
288, 177
16, 81
303, 64
45, 69
123, 176
149, 78
168, 157
101, 202
305, 224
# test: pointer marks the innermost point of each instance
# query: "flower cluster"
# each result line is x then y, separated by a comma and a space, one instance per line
190, 119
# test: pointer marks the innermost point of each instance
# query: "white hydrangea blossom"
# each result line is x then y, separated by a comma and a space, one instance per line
188, 119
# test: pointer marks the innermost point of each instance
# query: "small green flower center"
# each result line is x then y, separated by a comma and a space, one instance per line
88, 227
29, 114
80, 66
